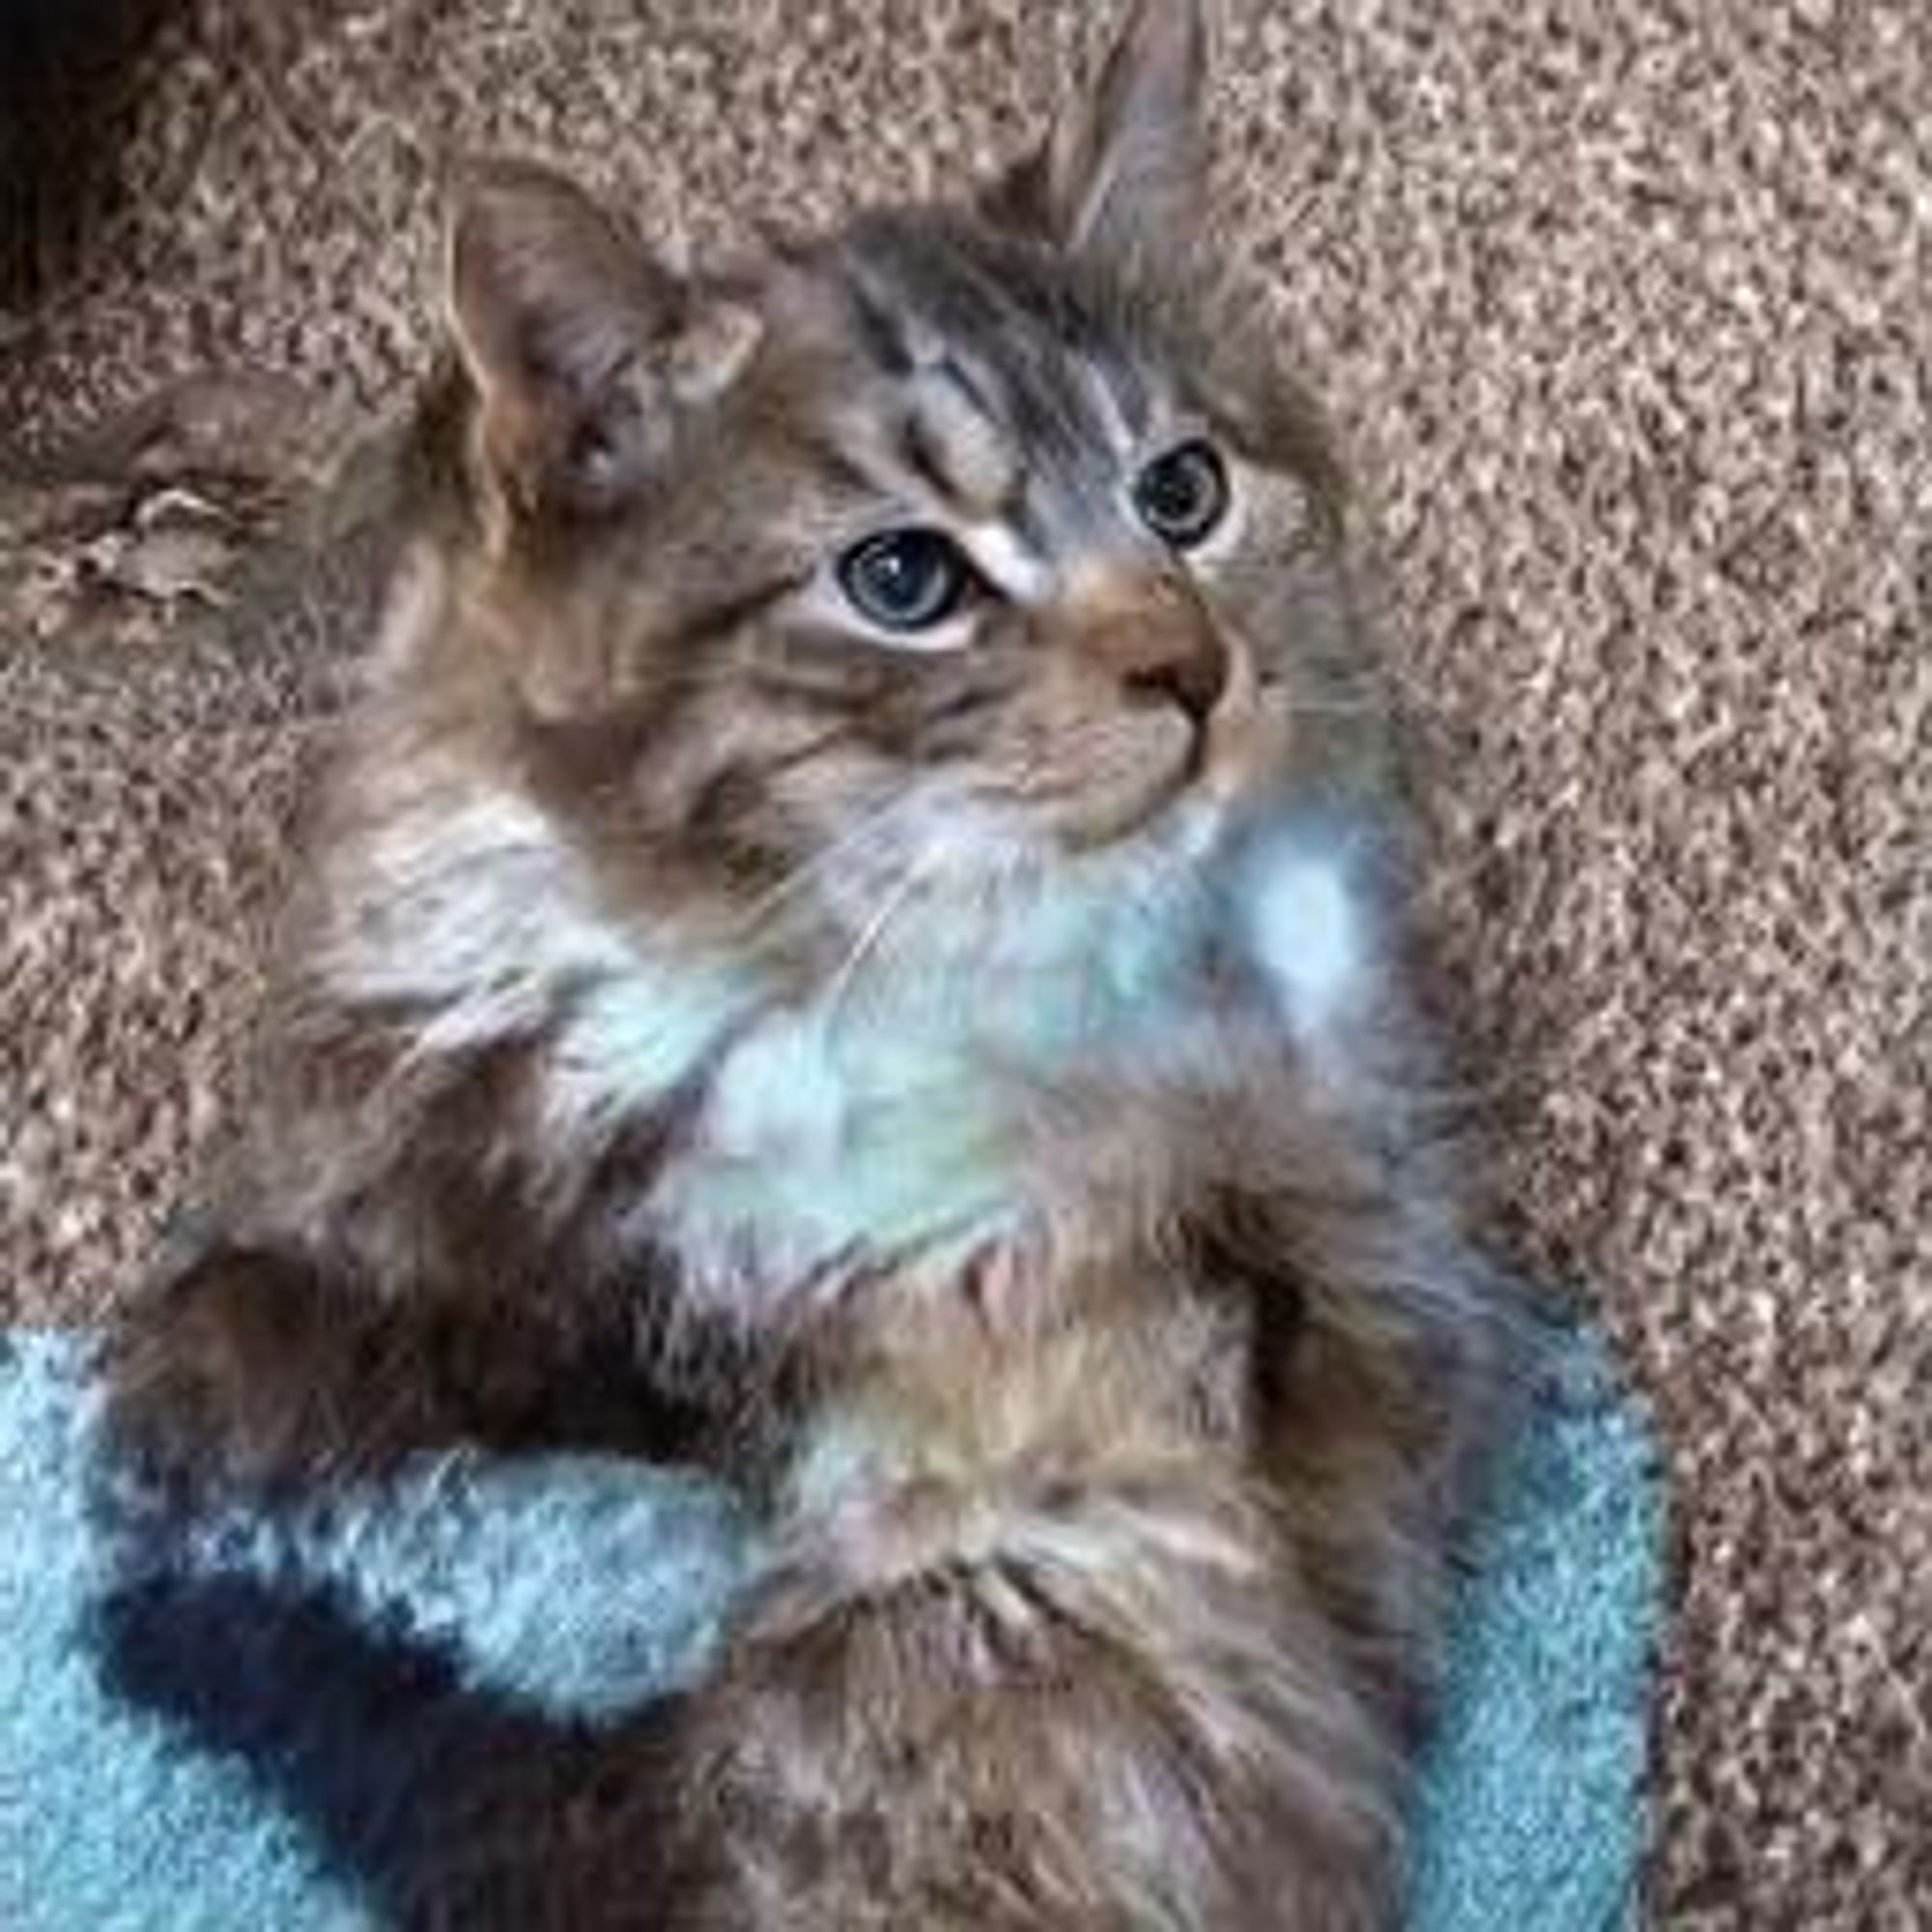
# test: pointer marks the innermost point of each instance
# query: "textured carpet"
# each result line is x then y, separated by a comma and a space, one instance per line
1624, 314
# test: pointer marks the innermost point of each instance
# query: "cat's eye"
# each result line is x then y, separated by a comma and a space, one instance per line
1183, 495
908, 579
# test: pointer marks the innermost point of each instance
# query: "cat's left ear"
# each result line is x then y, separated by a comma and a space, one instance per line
1125, 170
582, 348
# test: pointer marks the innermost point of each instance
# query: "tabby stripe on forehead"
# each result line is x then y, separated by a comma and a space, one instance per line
956, 444
840, 469
879, 328
920, 453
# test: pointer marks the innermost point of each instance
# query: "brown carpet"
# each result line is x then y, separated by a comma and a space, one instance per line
1625, 313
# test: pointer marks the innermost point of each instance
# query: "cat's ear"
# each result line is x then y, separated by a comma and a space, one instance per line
581, 346
1124, 169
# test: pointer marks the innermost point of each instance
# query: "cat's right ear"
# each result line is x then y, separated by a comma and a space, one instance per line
579, 345
1124, 171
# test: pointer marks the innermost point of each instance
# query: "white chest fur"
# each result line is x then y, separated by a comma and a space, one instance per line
906, 1115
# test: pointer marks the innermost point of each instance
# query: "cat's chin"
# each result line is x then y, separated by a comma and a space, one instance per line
1115, 806
1091, 824
1182, 807
1199, 780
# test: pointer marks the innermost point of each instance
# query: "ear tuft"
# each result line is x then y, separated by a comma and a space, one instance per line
1124, 169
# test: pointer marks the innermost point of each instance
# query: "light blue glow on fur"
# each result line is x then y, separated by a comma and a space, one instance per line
883, 1115
818, 1139
1307, 925
887, 1113
637, 1034
583, 1581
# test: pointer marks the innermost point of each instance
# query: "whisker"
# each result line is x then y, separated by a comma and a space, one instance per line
840, 986
991, 910
777, 897
1330, 707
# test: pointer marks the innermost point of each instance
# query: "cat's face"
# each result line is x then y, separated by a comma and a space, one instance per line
948, 551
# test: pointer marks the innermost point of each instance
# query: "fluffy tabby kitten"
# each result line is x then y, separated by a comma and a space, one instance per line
851, 939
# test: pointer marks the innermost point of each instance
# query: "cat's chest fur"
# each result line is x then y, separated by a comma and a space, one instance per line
896, 1109
907, 1106
911, 1111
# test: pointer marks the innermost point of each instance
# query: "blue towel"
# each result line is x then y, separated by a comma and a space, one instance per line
143, 1788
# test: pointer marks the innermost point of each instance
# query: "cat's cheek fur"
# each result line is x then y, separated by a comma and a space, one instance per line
459, 910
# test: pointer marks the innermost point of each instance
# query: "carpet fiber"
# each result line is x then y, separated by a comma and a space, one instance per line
1623, 315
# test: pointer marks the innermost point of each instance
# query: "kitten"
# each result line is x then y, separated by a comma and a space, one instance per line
855, 938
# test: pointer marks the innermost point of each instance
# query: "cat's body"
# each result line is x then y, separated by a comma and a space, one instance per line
940, 1056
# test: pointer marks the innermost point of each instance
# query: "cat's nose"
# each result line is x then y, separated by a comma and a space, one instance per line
1158, 640
1189, 670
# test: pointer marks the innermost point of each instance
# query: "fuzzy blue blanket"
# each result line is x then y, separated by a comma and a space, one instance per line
226, 1742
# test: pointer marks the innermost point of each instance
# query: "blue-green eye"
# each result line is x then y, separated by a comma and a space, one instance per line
906, 580
1183, 495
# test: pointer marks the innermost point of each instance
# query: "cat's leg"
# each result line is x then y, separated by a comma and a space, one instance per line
251, 1365
1091, 1701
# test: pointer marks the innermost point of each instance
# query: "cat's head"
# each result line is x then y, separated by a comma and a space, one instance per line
938, 551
